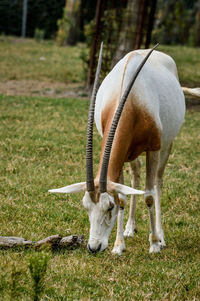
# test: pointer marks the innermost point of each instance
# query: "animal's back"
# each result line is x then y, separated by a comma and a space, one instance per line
156, 90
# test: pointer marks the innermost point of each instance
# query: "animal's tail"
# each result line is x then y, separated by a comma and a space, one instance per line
195, 92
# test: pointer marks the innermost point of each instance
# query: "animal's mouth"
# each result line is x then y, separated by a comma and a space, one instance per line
94, 250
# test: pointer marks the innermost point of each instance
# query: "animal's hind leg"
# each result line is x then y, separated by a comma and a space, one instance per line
134, 170
164, 155
152, 163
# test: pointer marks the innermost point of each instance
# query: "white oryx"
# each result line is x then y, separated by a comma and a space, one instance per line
132, 119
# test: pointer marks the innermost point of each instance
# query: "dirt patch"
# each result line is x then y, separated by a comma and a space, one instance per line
45, 89
60, 90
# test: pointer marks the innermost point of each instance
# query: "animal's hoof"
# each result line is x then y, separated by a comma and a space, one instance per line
130, 230
118, 249
129, 233
155, 248
162, 245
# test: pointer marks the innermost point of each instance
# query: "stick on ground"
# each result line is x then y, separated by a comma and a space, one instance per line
53, 241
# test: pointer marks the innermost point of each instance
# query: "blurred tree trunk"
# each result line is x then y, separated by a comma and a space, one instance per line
127, 34
73, 9
123, 26
197, 27
138, 20
94, 48
139, 32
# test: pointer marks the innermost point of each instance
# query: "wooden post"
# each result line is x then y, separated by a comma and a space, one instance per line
197, 27
150, 22
24, 18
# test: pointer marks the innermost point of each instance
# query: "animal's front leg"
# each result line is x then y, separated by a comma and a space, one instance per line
131, 227
134, 170
119, 245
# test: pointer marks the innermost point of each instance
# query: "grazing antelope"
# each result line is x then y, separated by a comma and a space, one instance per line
132, 119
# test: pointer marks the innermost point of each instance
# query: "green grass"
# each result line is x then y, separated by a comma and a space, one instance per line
31, 60
42, 146
188, 63
20, 59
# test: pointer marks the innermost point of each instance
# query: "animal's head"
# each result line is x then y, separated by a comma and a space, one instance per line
102, 209
102, 198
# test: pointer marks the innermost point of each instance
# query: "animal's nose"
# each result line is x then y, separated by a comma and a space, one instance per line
94, 250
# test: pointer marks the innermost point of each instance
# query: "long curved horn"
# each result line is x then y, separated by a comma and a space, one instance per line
107, 150
89, 144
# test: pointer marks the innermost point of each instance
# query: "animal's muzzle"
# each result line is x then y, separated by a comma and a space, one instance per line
92, 250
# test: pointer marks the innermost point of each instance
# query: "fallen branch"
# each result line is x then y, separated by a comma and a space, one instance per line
12, 241
54, 242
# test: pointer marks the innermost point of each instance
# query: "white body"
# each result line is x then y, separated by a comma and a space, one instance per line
151, 119
157, 88
157, 92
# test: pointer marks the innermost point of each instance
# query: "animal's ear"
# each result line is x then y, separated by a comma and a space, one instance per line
123, 189
78, 187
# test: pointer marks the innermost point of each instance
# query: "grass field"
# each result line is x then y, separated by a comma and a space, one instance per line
30, 60
42, 146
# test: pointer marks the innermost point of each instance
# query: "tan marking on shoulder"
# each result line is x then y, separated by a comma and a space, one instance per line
142, 132
137, 132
